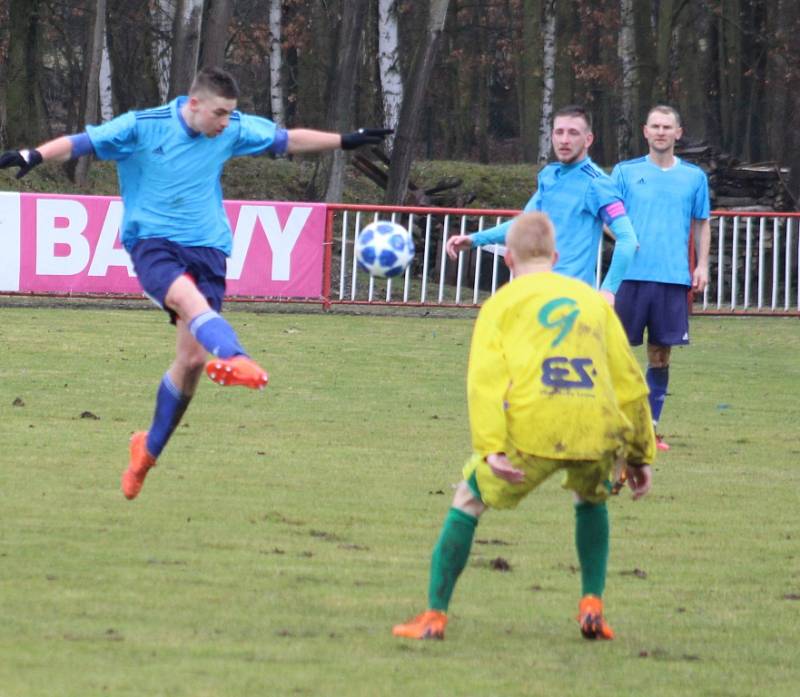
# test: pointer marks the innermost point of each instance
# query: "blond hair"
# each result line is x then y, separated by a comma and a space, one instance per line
667, 110
531, 236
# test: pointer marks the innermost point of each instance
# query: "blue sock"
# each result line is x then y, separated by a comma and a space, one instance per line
216, 335
170, 406
657, 381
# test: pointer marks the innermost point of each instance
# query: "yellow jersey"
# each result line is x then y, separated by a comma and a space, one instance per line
551, 372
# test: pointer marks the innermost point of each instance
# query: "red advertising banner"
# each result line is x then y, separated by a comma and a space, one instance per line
70, 244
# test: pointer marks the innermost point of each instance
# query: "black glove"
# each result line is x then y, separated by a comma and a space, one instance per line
364, 136
26, 160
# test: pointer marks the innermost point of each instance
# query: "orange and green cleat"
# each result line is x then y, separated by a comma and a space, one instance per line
590, 616
239, 370
619, 482
140, 463
429, 625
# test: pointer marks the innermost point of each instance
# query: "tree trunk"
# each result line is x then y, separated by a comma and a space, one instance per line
628, 120
164, 22
340, 109
529, 74
411, 111
548, 78
647, 64
389, 64
23, 90
215, 32
106, 83
185, 46
92, 82
276, 62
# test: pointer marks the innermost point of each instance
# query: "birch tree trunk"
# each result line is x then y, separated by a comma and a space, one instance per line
93, 82
628, 121
411, 111
163, 21
215, 32
340, 109
106, 84
276, 61
548, 77
185, 45
389, 64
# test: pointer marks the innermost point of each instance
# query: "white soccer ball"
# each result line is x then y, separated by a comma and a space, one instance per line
384, 249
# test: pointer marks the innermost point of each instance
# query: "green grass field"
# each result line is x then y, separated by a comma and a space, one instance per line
283, 533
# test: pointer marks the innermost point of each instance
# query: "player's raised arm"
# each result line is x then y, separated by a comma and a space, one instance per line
59, 149
307, 140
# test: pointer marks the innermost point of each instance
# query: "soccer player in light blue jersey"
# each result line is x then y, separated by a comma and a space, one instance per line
579, 198
667, 200
169, 161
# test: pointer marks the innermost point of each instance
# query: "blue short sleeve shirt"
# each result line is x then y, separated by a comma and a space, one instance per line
169, 175
662, 203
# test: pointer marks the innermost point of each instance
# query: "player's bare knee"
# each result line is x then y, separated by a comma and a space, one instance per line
658, 356
464, 500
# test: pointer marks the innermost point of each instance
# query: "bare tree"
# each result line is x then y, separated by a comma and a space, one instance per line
215, 32
185, 45
389, 64
410, 113
23, 90
163, 20
340, 109
106, 81
529, 76
627, 54
92, 81
548, 77
276, 61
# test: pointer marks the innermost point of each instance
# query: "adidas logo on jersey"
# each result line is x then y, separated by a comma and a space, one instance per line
158, 151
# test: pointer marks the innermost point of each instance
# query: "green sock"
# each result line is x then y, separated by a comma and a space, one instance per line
450, 557
591, 541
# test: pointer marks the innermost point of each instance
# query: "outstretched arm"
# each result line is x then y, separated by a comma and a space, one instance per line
307, 140
58, 149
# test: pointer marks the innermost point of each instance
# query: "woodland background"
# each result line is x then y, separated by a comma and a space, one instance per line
470, 80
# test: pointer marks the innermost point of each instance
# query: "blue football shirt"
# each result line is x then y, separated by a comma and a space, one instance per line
578, 198
661, 204
169, 174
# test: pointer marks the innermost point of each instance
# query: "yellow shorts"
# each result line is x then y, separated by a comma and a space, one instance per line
590, 479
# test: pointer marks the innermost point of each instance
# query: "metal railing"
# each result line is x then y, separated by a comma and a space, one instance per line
754, 260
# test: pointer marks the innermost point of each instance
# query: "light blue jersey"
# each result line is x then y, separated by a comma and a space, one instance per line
169, 174
578, 198
662, 204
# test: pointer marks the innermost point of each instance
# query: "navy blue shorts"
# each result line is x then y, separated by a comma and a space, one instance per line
158, 262
662, 308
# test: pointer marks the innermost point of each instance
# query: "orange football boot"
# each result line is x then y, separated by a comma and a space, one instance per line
140, 463
590, 616
239, 370
661, 444
429, 625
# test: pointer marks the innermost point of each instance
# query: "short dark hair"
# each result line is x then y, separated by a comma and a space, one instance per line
575, 110
217, 81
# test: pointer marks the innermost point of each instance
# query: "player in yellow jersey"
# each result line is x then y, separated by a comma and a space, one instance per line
552, 385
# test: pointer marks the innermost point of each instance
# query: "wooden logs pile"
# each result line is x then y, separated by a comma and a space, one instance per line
743, 186
444, 194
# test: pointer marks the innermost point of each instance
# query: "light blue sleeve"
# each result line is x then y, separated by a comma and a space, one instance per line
258, 135
115, 139
493, 235
624, 249
702, 205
